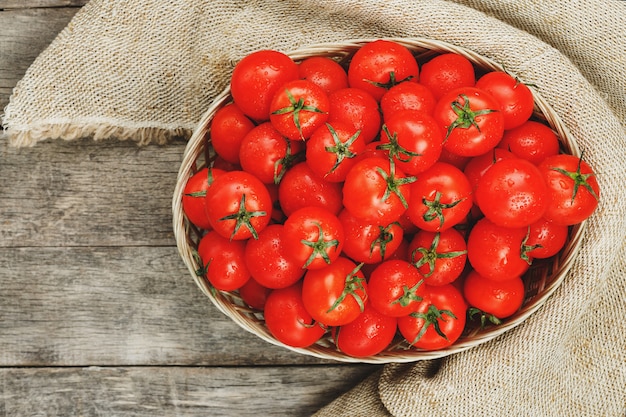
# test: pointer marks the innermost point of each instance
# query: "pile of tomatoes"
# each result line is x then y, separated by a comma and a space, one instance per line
381, 197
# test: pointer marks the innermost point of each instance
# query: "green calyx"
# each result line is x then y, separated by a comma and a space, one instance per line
243, 217
579, 179
295, 107
319, 246
395, 149
353, 284
340, 149
432, 318
394, 183
430, 255
436, 207
409, 295
466, 117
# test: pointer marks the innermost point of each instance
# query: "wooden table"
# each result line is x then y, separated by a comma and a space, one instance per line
98, 314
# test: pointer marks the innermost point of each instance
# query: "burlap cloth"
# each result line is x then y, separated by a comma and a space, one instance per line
146, 71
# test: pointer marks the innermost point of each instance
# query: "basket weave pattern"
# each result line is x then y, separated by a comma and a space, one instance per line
542, 279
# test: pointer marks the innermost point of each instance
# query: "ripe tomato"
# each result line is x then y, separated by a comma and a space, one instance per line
498, 253
367, 335
228, 128
301, 187
447, 72
357, 108
268, 154
440, 198
532, 141
368, 242
223, 261
256, 78
376, 190
439, 256
325, 72
381, 64
546, 238
331, 150
335, 294
266, 260
254, 294
512, 193
396, 288
313, 237
194, 196
407, 96
573, 190
478, 165
287, 319
472, 120
515, 98
439, 320
496, 299
238, 205
298, 108
413, 139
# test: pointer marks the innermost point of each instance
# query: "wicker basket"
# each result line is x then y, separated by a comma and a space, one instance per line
541, 280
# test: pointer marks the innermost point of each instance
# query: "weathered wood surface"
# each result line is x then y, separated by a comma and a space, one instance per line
98, 314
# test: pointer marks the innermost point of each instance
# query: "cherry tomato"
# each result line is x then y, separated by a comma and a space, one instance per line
413, 139
298, 108
515, 98
367, 335
381, 64
228, 128
573, 190
532, 141
325, 72
357, 108
512, 193
267, 262
498, 253
495, 299
257, 77
447, 72
407, 96
376, 190
194, 196
368, 242
440, 198
396, 288
439, 256
254, 294
472, 121
478, 165
313, 237
546, 238
223, 261
238, 205
301, 187
335, 294
287, 319
439, 320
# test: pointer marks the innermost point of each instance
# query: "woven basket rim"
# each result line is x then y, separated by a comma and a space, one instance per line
251, 321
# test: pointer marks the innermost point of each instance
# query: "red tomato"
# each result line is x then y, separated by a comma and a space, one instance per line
413, 139
439, 256
238, 205
438, 322
516, 99
512, 193
407, 96
532, 141
546, 238
335, 294
472, 120
498, 253
228, 127
287, 319
257, 77
331, 150
301, 187
298, 108
478, 165
440, 198
368, 242
381, 64
573, 190
194, 196
325, 72
313, 237
223, 261
367, 335
267, 262
446, 72
396, 288
357, 108
496, 299
254, 294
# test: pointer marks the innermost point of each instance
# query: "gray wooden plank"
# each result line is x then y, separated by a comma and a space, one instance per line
175, 391
31, 4
107, 306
